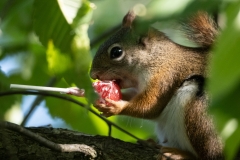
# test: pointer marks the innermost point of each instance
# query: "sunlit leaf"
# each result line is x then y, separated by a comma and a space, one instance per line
69, 8
84, 14
71, 40
58, 62
81, 48
72, 65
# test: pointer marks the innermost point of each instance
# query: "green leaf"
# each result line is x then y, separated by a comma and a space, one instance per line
72, 62
224, 84
58, 62
15, 26
81, 46
224, 69
76, 116
69, 8
67, 44
50, 24
84, 14
141, 128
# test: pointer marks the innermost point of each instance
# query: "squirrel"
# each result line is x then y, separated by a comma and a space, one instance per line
167, 84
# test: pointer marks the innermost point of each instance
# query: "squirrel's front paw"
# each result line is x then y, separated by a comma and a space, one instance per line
114, 108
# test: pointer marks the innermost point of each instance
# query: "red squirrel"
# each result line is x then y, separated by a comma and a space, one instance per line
167, 84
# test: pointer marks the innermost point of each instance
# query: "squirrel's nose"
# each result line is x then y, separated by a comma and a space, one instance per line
94, 75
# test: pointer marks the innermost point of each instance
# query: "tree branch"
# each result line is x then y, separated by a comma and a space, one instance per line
87, 150
78, 146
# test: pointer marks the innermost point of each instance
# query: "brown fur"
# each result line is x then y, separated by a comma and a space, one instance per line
157, 67
128, 19
201, 130
201, 29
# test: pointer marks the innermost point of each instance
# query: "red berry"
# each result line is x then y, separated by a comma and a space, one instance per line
107, 89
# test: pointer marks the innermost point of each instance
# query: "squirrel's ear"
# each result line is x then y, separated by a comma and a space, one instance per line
147, 36
128, 19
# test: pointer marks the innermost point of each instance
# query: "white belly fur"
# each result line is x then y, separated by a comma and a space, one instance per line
170, 126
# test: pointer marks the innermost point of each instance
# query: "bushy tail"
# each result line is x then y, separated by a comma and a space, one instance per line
201, 29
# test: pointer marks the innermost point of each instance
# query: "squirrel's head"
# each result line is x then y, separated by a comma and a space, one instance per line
117, 57
132, 58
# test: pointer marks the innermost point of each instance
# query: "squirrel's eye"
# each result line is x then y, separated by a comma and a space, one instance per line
115, 52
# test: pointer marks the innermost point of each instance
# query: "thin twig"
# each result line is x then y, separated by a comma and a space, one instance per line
37, 101
49, 144
68, 98
85, 106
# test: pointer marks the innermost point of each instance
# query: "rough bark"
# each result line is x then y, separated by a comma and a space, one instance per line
14, 145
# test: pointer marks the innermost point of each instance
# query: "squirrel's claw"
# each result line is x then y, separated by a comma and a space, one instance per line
173, 153
115, 108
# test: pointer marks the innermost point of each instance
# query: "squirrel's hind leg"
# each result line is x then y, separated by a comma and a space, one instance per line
167, 153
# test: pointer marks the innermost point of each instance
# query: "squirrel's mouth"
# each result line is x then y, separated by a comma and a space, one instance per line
127, 89
119, 83
128, 85
125, 83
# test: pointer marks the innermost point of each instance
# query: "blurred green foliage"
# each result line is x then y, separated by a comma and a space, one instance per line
224, 83
52, 39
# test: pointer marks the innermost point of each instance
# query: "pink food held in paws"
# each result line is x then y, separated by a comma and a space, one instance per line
107, 89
